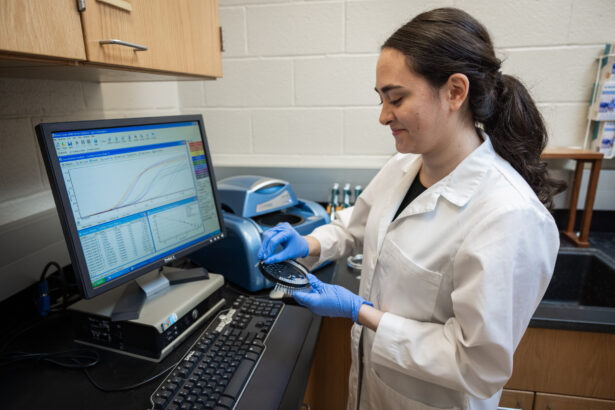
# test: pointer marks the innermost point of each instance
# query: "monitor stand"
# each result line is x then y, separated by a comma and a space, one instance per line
149, 286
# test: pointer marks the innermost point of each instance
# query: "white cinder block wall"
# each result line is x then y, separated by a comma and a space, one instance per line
299, 75
297, 92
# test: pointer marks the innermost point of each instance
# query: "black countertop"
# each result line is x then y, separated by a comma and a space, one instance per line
554, 315
35, 383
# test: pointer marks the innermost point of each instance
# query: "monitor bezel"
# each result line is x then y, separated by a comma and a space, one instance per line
44, 133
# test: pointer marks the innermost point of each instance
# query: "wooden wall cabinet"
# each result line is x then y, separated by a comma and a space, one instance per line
42, 28
179, 37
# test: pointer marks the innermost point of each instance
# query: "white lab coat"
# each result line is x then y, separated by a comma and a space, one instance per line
459, 274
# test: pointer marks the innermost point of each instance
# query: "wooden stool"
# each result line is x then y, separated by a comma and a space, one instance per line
581, 156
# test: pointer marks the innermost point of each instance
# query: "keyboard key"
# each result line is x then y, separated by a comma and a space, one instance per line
226, 402
255, 349
159, 403
165, 394
170, 386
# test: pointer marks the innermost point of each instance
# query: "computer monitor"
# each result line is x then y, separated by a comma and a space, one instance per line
132, 195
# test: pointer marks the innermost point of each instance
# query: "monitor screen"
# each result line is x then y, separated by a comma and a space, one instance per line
132, 194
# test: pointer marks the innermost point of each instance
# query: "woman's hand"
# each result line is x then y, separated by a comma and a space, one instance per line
330, 300
293, 244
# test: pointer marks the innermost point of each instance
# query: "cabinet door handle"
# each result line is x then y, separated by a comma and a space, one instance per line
137, 47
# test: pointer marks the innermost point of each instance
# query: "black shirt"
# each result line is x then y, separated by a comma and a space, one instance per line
416, 189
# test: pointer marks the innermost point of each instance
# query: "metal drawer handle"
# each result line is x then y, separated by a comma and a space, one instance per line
137, 47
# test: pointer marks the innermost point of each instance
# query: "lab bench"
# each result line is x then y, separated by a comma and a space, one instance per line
560, 361
38, 384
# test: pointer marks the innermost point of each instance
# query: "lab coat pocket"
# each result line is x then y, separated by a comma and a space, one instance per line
384, 396
405, 288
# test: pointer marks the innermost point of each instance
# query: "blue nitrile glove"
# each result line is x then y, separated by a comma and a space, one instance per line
330, 300
293, 244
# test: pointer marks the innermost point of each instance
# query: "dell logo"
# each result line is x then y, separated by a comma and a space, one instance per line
169, 259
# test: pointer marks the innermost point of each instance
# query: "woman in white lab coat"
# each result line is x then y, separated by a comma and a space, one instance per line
458, 245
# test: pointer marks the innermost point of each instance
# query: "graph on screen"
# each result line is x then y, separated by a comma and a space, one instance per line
176, 225
124, 181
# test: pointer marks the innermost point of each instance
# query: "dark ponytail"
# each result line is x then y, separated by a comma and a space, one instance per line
444, 41
518, 135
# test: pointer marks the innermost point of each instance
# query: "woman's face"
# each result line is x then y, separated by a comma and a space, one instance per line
415, 112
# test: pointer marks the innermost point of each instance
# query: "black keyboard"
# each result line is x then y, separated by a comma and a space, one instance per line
218, 366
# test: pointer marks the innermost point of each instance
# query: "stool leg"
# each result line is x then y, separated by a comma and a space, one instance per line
574, 199
589, 201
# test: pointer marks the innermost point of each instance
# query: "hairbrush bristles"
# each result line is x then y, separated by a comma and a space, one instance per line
287, 290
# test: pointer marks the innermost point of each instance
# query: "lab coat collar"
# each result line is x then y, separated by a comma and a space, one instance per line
409, 171
459, 186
